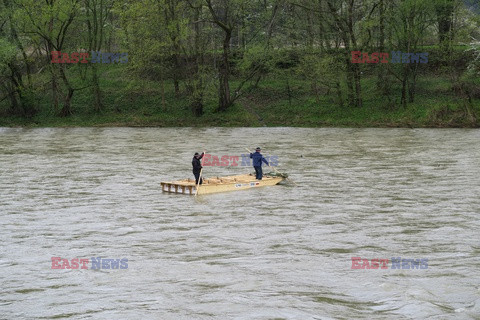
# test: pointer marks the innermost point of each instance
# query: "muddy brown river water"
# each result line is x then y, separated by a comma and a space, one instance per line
282, 252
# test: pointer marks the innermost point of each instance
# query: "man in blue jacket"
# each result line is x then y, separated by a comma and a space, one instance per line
257, 163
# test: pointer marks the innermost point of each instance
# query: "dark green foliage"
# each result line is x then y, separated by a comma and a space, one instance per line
240, 62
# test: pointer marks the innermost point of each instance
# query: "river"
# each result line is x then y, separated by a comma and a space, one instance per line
281, 252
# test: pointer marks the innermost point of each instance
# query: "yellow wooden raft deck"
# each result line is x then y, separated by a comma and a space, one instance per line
219, 184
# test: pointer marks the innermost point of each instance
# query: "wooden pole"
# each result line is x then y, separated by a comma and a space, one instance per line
198, 184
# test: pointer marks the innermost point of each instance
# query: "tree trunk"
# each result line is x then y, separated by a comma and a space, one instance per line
355, 67
382, 80
194, 80
14, 36
339, 94
344, 26
162, 92
96, 89
95, 26
316, 91
53, 74
197, 106
14, 106
67, 109
176, 84
358, 86
444, 17
412, 84
271, 24
404, 90
178, 66
310, 33
350, 77
224, 72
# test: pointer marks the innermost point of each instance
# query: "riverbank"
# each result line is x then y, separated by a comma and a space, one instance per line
276, 101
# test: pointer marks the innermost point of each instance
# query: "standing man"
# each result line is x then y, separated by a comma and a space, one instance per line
257, 163
197, 167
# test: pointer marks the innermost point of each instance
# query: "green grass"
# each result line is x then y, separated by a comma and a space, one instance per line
130, 101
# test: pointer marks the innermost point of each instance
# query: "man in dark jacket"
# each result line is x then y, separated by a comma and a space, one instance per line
257, 163
197, 166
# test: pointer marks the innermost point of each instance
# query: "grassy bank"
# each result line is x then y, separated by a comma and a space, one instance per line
277, 101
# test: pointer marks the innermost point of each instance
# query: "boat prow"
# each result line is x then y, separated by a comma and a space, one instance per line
221, 184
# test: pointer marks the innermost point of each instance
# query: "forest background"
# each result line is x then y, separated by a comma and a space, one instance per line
239, 63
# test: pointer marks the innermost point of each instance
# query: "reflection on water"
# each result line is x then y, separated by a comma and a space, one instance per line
280, 252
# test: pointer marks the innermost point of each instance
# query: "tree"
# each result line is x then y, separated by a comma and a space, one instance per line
97, 13
12, 67
10, 79
444, 10
228, 15
194, 48
155, 30
222, 15
344, 21
410, 21
51, 21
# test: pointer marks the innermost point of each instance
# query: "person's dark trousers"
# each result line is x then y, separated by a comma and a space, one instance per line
197, 176
258, 172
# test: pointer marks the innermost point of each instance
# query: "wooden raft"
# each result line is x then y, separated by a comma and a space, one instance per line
219, 184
